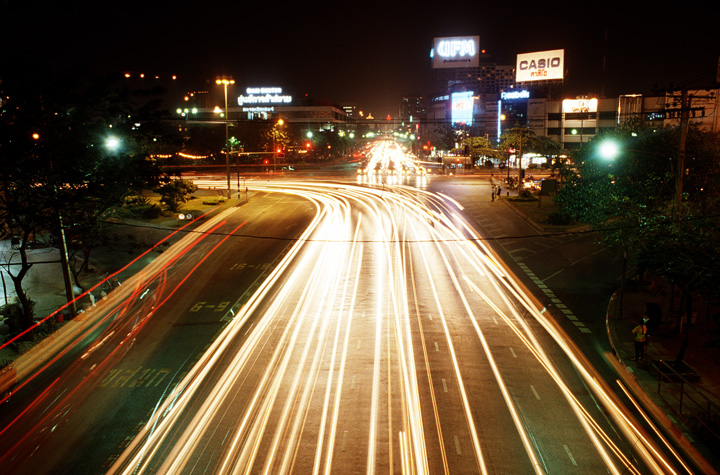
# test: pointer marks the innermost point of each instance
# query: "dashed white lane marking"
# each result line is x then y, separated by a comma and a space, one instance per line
553, 298
569, 454
537, 396
457, 446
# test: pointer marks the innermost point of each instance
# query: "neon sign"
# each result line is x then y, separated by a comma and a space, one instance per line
263, 96
462, 108
456, 52
509, 96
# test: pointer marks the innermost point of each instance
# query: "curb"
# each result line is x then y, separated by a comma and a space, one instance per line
656, 413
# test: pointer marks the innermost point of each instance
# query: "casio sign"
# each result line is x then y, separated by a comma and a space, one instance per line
542, 63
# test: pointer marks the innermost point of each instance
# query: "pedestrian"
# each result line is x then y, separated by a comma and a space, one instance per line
499, 190
493, 192
639, 339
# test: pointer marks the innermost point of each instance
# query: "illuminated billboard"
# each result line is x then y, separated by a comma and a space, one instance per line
570, 106
462, 108
540, 66
264, 96
456, 52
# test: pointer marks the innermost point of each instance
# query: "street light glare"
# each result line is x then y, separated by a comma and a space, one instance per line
609, 150
112, 143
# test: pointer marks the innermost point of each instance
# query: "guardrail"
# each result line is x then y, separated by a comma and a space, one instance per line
690, 402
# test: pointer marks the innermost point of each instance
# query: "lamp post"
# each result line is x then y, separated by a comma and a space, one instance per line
279, 123
225, 82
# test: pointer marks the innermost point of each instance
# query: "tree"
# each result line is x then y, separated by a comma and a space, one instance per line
56, 163
480, 147
629, 197
176, 192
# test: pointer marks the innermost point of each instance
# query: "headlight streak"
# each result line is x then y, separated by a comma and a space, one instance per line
510, 404
343, 361
582, 414
646, 448
411, 399
139, 452
321, 320
651, 424
72, 396
456, 366
433, 398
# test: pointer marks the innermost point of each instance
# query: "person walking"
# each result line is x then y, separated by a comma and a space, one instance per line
493, 192
639, 339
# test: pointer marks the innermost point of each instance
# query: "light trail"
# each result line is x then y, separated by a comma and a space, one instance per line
376, 274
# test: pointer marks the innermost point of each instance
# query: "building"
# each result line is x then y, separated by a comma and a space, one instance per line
412, 108
573, 122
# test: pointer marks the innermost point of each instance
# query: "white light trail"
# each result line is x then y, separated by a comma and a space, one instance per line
284, 397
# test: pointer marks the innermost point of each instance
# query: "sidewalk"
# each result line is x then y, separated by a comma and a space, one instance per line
44, 282
688, 407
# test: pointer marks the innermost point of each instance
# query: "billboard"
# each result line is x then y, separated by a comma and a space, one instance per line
264, 96
573, 106
540, 66
462, 108
456, 52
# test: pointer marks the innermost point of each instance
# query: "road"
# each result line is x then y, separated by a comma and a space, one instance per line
326, 328
101, 377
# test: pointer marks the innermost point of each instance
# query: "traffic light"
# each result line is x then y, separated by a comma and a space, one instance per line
266, 161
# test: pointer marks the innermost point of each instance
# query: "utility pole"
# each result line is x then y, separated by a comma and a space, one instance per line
64, 261
684, 119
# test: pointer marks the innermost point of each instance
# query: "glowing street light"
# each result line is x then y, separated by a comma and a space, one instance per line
279, 123
112, 143
225, 82
608, 150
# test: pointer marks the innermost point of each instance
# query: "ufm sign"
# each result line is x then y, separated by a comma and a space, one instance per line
264, 96
540, 66
456, 52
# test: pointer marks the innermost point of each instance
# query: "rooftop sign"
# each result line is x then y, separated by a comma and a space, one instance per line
264, 96
456, 52
540, 66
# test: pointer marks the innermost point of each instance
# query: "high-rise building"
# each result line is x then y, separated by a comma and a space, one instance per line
412, 108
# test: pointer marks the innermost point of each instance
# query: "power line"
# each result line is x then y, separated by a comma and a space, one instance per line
576, 232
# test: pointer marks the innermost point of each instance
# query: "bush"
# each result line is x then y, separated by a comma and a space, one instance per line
176, 192
148, 211
560, 219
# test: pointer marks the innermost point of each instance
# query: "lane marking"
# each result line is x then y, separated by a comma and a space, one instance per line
569, 454
537, 396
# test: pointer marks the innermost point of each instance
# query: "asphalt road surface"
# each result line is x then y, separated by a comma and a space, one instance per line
325, 327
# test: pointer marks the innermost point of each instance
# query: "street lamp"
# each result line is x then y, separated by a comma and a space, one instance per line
279, 123
225, 82
112, 143
608, 150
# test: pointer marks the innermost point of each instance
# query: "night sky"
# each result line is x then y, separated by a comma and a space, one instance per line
369, 54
